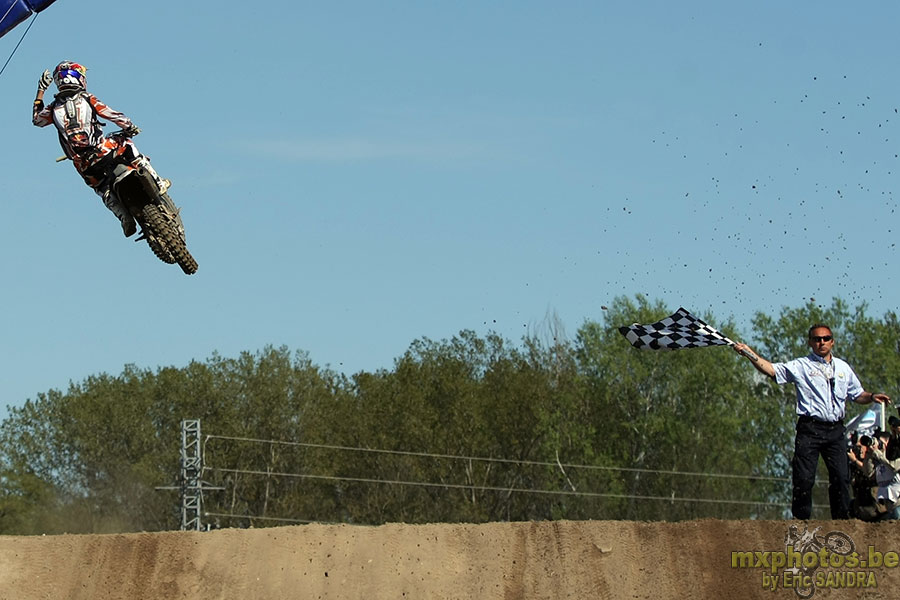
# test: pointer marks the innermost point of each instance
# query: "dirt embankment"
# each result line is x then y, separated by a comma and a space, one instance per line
563, 559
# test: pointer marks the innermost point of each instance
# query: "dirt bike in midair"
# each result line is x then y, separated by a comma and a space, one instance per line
151, 207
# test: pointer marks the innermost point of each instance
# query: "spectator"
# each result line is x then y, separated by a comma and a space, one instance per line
894, 424
882, 462
862, 506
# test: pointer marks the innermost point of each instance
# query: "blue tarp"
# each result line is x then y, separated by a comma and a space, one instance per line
13, 12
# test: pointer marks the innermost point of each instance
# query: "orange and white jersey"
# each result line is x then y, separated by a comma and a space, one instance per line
76, 120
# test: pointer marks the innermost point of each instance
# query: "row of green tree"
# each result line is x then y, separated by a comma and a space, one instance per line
468, 429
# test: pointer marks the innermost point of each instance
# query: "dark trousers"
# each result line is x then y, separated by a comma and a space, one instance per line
815, 438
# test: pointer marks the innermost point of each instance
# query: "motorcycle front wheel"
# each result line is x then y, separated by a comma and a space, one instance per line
165, 231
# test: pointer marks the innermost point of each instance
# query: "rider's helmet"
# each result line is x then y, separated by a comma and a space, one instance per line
70, 77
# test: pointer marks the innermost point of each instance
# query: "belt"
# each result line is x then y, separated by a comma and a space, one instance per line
818, 421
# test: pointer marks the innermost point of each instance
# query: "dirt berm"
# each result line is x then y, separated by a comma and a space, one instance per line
562, 559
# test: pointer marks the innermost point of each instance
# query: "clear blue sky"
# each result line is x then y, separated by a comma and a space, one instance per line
356, 175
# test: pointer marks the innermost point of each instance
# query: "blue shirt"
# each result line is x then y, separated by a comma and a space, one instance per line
822, 388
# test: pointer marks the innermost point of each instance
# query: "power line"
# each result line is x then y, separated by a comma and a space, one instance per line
234, 516
672, 498
498, 460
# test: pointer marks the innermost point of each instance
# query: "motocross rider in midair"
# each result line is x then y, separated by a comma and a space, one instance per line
75, 112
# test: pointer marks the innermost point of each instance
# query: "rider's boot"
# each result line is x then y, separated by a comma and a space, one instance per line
129, 227
142, 162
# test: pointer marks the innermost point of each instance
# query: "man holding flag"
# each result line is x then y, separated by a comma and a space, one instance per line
824, 384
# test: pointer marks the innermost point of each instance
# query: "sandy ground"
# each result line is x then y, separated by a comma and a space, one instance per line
563, 559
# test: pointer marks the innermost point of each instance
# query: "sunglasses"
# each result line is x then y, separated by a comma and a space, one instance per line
820, 338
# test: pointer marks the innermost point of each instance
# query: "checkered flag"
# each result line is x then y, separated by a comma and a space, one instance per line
680, 330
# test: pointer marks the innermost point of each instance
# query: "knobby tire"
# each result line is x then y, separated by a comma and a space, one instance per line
164, 230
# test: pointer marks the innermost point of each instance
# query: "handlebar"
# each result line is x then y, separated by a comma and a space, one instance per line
126, 133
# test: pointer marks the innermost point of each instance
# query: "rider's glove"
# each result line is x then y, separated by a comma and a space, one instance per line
132, 131
45, 81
